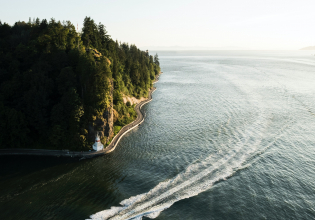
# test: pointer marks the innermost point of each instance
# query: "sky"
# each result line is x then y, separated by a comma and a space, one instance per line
184, 24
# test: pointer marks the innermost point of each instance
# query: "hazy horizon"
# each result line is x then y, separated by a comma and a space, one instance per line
227, 48
246, 25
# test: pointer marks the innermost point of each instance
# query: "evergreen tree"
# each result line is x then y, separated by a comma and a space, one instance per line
156, 60
54, 83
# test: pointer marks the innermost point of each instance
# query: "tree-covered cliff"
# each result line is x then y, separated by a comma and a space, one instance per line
58, 87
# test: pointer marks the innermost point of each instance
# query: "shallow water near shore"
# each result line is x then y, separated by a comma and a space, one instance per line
228, 135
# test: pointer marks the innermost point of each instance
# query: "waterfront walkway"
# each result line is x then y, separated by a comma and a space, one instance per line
87, 154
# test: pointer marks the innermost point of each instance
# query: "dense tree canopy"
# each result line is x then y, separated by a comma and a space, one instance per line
55, 81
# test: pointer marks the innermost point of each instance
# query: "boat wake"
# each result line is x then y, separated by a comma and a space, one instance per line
197, 178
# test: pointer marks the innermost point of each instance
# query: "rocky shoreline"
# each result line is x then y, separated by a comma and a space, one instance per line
87, 154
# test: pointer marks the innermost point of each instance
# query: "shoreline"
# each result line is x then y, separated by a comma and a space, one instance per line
140, 118
87, 154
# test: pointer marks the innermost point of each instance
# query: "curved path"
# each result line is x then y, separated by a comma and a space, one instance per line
132, 125
87, 154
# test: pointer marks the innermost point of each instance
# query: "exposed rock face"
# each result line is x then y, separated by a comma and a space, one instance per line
116, 115
104, 125
109, 116
132, 100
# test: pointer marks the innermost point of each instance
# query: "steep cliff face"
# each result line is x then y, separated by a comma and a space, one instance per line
132, 100
104, 125
108, 115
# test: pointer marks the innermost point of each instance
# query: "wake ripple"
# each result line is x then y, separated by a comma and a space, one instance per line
197, 178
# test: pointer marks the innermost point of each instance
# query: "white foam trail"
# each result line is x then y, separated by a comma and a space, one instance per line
197, 178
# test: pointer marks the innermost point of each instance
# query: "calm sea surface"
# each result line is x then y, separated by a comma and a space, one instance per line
228, 135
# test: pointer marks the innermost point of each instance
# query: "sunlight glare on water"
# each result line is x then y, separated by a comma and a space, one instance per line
239, 111
228, 135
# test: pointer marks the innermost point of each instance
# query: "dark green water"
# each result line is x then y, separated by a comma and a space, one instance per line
228, 135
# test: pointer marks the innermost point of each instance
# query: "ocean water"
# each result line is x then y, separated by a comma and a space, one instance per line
228, 135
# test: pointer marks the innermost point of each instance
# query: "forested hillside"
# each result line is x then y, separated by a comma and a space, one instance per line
59, 87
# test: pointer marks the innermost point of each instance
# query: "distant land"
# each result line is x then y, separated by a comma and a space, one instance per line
157, 48
179, 48
308, 48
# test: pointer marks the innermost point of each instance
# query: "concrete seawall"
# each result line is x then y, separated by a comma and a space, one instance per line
87, 154
132, 125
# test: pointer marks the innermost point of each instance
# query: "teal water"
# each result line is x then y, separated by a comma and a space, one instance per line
228, 135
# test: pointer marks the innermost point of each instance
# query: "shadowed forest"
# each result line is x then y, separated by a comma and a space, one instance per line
56, 83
